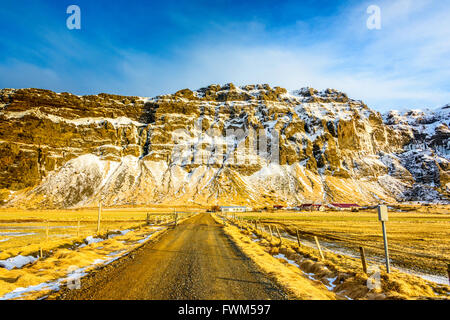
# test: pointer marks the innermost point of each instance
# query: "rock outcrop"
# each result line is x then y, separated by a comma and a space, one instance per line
252, 145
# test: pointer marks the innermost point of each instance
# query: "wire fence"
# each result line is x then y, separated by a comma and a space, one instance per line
279, 235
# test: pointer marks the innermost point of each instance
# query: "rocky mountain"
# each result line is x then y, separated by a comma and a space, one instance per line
252, 145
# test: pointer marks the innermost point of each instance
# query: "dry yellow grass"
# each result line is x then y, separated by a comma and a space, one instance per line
419, 239
341, 274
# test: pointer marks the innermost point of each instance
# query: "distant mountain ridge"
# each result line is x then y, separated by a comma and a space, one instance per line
59, 150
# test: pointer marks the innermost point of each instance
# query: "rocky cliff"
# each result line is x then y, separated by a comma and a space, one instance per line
252, 145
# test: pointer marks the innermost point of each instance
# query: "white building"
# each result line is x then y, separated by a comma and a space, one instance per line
235, 209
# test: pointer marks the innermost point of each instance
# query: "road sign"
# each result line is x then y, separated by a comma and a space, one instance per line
383, 217
383, 213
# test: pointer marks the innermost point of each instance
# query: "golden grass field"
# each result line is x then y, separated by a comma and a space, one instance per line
338, 274
24, 232
419, 237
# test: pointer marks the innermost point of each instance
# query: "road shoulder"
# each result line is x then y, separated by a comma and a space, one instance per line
101, 274
288, 277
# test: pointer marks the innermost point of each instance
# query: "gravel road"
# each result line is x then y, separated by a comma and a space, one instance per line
194, 261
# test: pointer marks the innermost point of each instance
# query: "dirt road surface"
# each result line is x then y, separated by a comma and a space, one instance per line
194, 261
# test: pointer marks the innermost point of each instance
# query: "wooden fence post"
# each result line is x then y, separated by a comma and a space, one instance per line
279, 234
78, 228
40, 253
363, 259
448, 271
271, 235
298, 239
148, 218
99, 217
318, 247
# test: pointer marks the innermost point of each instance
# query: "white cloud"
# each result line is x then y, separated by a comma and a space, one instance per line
19, 74
290, 68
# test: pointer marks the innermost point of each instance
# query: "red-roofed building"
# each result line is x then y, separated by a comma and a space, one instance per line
344, 205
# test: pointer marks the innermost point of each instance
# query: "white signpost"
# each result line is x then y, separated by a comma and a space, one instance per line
383, 217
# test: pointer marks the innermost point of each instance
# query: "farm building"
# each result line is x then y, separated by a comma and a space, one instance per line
234, 209
343, 206
311, 207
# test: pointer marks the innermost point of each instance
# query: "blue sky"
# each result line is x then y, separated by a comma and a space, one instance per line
148, 48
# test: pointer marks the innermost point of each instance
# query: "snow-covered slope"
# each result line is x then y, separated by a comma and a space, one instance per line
252, 145
426, 156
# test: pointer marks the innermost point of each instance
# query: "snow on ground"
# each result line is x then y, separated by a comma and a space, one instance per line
17, 262
282, 256
90, 240
17, 234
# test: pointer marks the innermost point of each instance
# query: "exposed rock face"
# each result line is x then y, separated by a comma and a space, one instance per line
252, 145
